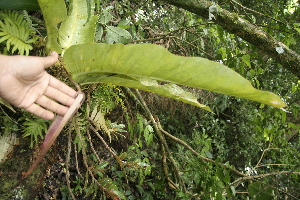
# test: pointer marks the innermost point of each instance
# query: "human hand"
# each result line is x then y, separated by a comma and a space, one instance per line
25, 83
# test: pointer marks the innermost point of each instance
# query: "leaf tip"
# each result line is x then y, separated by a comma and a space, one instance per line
278, 104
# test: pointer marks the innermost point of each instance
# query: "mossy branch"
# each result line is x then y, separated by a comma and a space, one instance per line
289, 59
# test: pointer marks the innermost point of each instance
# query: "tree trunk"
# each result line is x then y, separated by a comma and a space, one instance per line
245, 30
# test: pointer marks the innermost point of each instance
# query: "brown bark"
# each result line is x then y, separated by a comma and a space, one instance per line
245, 30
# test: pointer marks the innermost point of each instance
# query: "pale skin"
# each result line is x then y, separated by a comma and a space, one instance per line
24, 83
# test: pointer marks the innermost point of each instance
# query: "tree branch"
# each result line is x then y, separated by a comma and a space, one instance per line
245, 30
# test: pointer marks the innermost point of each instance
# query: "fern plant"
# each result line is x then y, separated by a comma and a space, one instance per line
16, 31
35, 127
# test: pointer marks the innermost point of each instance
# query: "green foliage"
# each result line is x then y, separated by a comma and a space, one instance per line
142, 159
107, 96
16, 32
111, 34
8, 125
35, 127
234, 151
260, 191
110, 129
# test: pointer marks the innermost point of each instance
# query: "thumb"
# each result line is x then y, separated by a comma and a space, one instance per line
51, 59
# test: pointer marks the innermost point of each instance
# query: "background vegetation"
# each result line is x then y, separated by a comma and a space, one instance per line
129, 144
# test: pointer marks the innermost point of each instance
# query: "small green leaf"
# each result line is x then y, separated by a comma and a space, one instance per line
220, 173
219, 196
117, 34
222, 51
105, 16
2, 101
209, 155
246, 60
124, 26
260, 191
103, 165
226, 178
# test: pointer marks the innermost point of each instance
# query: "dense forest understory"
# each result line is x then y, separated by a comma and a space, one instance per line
147, 129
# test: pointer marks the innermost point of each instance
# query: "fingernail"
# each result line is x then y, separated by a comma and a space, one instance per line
52, 53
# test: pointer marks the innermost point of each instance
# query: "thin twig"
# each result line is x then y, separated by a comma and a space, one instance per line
166, 171
15, 122
108, 148
103, 141
266, 165
254, 178
76, 162
67, 164
261, 157
92, 146
150, 39
256, 12
241, 179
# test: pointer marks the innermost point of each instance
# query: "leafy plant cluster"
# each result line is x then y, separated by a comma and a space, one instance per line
17, 32
124, 148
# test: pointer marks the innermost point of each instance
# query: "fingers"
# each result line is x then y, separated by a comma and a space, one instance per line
52, 105
51, 59
40, 112
44, 108
56, 91
59, 96
62, 87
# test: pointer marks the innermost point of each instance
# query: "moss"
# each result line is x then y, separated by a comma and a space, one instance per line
12, 185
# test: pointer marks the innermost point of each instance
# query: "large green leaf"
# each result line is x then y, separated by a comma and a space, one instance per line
79, 28
154, 62
168, 90
65, 30
19, 5
54, 13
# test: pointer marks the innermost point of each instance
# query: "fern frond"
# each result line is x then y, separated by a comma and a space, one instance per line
99, 121
35, 128
16, 31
